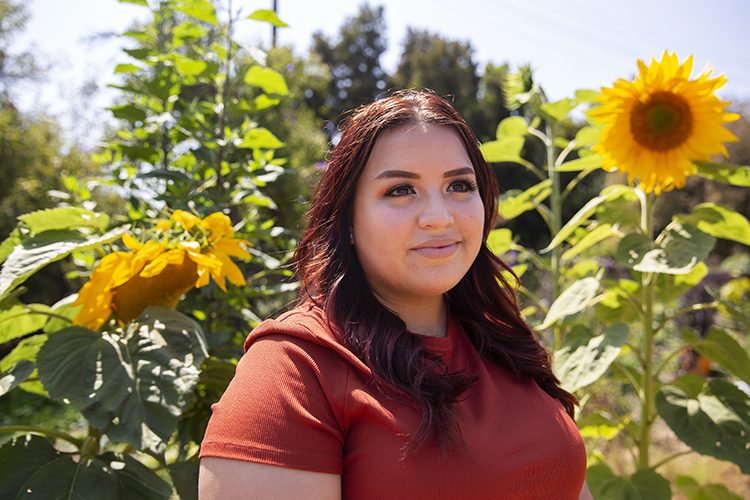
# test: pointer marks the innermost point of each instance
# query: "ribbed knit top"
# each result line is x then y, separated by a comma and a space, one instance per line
301, 400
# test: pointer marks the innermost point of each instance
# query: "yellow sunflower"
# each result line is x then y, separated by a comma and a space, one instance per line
158, 272
661, 122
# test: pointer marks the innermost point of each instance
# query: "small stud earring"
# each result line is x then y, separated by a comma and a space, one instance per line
351, 238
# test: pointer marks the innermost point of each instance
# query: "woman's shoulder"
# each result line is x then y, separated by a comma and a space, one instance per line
306, 324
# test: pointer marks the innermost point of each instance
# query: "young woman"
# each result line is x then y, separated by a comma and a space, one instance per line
407, 370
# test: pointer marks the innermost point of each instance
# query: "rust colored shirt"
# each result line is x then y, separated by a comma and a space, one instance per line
301, 400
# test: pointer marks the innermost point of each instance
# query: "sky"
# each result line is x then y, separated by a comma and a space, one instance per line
571, 44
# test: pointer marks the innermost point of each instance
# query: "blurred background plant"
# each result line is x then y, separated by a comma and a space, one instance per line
219, 140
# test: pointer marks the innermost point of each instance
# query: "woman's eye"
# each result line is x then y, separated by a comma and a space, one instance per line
463, 186
402, 190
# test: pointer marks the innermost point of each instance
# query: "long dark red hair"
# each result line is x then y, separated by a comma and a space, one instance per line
483, 301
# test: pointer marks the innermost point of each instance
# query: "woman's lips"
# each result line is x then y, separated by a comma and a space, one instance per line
437, 248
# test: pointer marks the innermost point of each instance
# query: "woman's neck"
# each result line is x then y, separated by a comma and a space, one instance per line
423, 316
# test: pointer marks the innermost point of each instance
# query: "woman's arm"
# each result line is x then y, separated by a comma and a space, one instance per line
585, 492
221, 479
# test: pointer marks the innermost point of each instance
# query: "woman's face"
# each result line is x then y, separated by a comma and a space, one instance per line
417, 216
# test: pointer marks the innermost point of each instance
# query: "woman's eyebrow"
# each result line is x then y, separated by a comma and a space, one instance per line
403, 174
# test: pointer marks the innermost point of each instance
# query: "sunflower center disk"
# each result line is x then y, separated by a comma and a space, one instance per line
662, 122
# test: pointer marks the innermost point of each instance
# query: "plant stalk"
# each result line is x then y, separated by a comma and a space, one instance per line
556, 222
647, 349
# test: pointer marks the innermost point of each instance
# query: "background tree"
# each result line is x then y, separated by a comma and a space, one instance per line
354, 59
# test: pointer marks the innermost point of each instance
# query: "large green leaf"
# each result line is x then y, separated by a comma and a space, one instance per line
19, 321
260, 138
138, 481
720, 348
500, 241
269, 80
513, 203
694, 491
738, 175
599, 233
677, 250
9, 243
581, 362
185, 479
590, 162
202, 10
44, 248
586, 95
719, 221
15, 375
712, 418
268, 16
128, 112
133, 383
556, 111
512, 126
573, 300
584, 213
64, 218
738, 313
62, 309
643, 485
26, 351
617, 303
33, 469
504, 149
672, 286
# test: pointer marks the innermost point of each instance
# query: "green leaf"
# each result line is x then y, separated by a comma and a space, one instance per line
513, 202
26, 350
268, 16
44, 248
573, 300
616, 303
13, 239
137, 2
677, 250
720, 348
128, 112
138, 482
595, 425
672, 286
19, 321
556, 111
594, 236
584, 213
586, 136
500, 241
33, 469
163, 173
269, 80
126, 68
64, 218
581, 363
719, 221
134, 383
185, 479
62, 308
715, 422
643, 485
201, 10
189, 66
15, 375
140, 54
738, 175
586, 95
512, 126
505, 149
586, 163
694, 491
260, 137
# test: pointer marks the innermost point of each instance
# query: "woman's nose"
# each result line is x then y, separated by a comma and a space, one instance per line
435, 212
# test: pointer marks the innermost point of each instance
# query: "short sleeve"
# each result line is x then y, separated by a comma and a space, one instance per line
281, 407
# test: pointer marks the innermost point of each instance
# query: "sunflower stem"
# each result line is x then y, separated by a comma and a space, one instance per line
647, 348
556, 222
